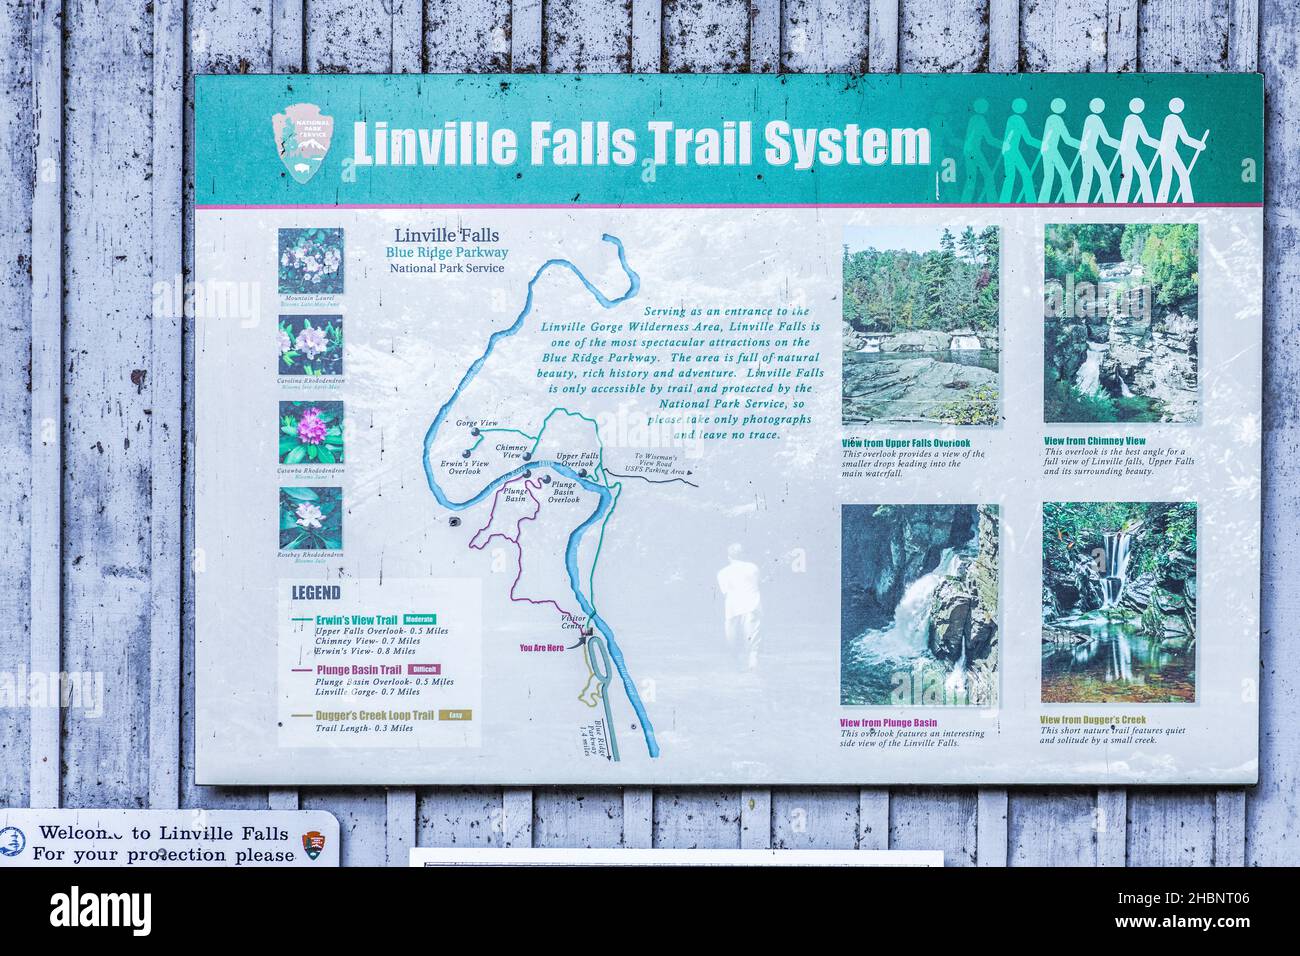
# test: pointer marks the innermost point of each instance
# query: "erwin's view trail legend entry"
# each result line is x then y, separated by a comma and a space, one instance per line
704, 429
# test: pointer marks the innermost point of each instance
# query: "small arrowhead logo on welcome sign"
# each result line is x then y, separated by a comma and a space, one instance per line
302, 138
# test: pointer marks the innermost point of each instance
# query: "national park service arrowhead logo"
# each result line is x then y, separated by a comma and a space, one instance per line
313, 841
302, 138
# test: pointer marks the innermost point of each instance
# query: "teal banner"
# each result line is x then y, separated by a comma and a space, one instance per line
664, 140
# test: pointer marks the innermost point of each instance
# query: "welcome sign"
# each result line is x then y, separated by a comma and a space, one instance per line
694, 429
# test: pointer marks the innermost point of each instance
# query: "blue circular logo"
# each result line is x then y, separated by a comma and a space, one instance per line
12, 841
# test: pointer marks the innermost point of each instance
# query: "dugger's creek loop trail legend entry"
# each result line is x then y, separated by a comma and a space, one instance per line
728, 429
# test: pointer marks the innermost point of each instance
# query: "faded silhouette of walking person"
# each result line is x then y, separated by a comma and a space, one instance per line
743, 605
1132, 165
1014, 167
1056, 134
1172, 134
974, 160
1094, 135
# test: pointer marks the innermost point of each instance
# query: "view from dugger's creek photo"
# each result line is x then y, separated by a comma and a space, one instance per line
1119, 602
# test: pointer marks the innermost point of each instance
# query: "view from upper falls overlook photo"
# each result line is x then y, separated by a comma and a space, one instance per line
921, 327
1121, 339
1119, 602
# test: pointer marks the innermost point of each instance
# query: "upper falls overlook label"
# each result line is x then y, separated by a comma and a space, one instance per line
704, 429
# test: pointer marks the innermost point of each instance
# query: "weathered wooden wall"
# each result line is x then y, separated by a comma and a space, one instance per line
95, 410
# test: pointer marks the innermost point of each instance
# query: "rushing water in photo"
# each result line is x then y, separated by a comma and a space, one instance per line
978, 358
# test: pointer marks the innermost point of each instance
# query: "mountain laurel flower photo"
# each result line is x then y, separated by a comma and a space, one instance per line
311, 261
311, 433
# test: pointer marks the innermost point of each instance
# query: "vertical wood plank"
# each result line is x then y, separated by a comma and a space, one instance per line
1121, 36
589, 817
1170, 829
638, 817
1054, 827
1177, 36
1243, 36
459, 816
288, 41
823, 36
467, 36
934, 819
526, 36
757, 828
1065, 38
647, 57
873, 819
399, 833
591, 36
1112, 826
282, 798
949, 37
47, 391
882, 57
820, 818
1273, 807
364, 36
17, 157
1230, 805
1230, 828
1070, 827
697, 818
647, 36
108, 95
289, 55
991, 827
360, 812
165, 370
765, 30
1176, 827
882, 36
1004, 36
517, 817
224, 36
706, 37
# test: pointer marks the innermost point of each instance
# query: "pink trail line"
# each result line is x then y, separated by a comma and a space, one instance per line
530, 485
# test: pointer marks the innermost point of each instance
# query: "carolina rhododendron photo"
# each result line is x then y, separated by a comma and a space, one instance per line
310, 344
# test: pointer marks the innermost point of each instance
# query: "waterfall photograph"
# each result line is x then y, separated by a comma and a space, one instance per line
1119, 602
919, 605
1121, 330
921, 339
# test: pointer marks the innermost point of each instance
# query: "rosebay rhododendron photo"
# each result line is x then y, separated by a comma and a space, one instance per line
311, 433
311, 519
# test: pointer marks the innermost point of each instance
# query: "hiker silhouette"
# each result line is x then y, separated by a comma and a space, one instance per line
974, 160
1171, 161
1056, 133
1095, 134
1132, 165
1013, 161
